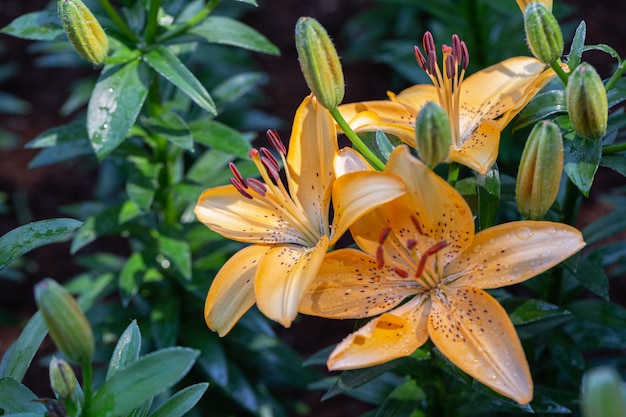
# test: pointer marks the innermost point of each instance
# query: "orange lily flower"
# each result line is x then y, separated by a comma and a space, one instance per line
423, 271
478, 107
289, 227
523, 3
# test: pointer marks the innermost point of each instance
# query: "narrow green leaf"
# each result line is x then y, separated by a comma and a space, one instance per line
488, 192
126, 350
131, 277
403, 401
581, 160
181, 402
567, 356
237, 86
114, 106
60, 144
163, 61
176, 250
384, 145
172, 127
578, 43
219, 136
141, 380
38, 26
208, 166
17, 398
165, 320
592, 277
19, 356
25, 238
617, 162
540, 107
604, 227
141, 184
228, 31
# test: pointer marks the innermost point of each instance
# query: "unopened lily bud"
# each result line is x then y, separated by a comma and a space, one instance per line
83, 30
540, 169
66, 323
587, 104
523, 3
432, 134
543, 33
62, 378
319, 62
602, 394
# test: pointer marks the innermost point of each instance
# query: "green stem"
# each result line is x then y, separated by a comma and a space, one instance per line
152, 23
87, 382
121, 24
556, 66
616, 76
610, 149
453, 173
356, 141
194, 20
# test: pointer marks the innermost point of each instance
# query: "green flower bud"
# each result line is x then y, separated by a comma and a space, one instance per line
543, 33
66, 323
587, 104
433, 137
62, 378
83, 30
602, 394
540, 169
319, 62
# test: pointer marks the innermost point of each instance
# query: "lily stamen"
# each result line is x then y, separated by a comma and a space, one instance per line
429, 252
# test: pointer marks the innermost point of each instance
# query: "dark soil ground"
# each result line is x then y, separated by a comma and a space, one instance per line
36, 194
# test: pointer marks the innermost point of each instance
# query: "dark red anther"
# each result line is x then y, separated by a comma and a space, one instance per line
257, 186
464, 56
450, 66
240, 187
380, 257
429, 43
237, 174
421, 61
271, 170
275, 141
431, 63
265, 153
417, 225
456, 48
401, 272
382, 236
429, 252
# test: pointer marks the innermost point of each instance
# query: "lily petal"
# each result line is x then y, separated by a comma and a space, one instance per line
440, 210
416, 96
312, 147
480, 150
359, 192
391, 117
348, 160
232, 291
285, 274
393, 335
513, 252
227, 212
472, 329
349, 285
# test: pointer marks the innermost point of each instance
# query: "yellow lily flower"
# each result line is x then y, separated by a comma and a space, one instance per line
478, 107
523, 3
288, 226
423, 270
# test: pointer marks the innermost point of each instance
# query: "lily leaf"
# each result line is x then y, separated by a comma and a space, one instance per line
581, 160
227, 31
37, 26
17, 398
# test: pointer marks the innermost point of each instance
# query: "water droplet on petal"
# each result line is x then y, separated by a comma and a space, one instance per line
524, 233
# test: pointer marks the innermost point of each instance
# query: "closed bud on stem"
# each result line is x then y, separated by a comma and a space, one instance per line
540, 169
62, 378
433, 137
587, 104
68, 326
83, 30
543, 33
319, 62
602, 393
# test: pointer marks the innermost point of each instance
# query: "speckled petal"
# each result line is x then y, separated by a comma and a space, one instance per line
390, 117
473, 330
349, 285
479, 151
284, 276
513, 252
312, 147
232, 291
359, 192
225, 211
416, 96
393, 335
441, 211
489, 93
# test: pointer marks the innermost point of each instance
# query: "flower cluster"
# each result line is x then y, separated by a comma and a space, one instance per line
418, 267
